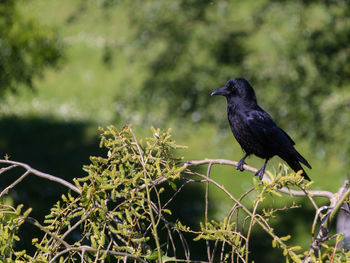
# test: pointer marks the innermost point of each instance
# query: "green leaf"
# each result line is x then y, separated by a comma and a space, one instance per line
167, 211
153, 255
173, 185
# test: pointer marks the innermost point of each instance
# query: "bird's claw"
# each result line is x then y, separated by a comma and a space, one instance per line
260, 173
240, 165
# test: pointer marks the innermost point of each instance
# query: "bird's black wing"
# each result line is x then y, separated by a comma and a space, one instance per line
271, 136
267, 132
262, 125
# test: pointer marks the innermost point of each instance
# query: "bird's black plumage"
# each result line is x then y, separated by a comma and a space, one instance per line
255, 130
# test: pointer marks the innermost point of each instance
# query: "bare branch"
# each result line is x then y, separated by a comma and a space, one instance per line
40, 174
284, 190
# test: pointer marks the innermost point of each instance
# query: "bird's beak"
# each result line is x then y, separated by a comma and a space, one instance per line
221, 91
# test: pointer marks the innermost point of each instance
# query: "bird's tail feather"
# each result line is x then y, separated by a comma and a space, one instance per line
302, 159
296, 166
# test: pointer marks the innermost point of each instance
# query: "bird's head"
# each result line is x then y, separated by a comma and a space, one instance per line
237, 88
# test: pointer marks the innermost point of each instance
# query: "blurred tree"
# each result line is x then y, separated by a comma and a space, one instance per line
295, 53
26, 47
188, 49
300, 58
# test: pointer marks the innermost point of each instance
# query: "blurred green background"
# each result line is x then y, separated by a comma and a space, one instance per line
67, 67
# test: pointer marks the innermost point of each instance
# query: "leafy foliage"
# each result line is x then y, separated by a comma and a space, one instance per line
120, 211
113, 208
10, 221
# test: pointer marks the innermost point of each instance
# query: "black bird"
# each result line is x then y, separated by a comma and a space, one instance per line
255, 130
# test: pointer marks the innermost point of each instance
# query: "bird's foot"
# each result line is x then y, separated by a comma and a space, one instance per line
260, 173
240, 165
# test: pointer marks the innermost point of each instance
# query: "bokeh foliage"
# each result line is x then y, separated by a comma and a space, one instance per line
293, 52
26, 47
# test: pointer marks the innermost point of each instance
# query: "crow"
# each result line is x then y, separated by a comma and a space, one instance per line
255, 130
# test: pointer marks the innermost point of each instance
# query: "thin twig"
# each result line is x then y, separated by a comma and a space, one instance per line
185, 260
90, 249
250, 227
173, 196
317, 214
150, 152
5, 191
310, 198
4, 169
108, 248
76, 224
206, 211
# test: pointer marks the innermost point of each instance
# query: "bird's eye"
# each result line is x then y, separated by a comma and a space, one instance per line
233, 90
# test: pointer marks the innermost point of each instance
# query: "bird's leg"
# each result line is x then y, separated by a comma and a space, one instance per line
241, 163
261, 172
